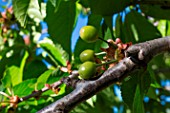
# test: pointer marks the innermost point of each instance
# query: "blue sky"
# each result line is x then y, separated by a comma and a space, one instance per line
82, 21
5, 3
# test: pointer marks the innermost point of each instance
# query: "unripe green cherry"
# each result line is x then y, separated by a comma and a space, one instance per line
87, 70
89, 34
87, 55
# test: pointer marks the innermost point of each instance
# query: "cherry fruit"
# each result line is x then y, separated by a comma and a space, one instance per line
87, 55
89, 34
87, 70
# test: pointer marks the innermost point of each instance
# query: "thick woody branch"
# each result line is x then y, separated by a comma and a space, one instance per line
146, 50
84, 89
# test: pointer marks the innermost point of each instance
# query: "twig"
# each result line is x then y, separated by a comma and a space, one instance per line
54, 85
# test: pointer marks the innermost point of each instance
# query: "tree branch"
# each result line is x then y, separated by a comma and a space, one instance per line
84, 89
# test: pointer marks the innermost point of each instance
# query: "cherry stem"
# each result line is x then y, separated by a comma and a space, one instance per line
4, 94
103, 40
101, 53
109, 62
115, 46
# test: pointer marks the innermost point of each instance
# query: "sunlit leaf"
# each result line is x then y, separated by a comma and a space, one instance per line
42, 79
25, 88
162, 27
34, 11
56, 53
12, 76
62, 89
91, 100
168, 29
20, 10
22, 65
24, 7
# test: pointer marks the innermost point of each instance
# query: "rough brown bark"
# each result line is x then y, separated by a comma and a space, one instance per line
84, 89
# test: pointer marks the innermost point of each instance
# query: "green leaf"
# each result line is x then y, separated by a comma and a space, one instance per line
102, 106
154, 83
109, 21
61, 23
34, 68
118, 26
128, 88
56, 4
92, 100
84, 3
95, 20
107, 7
24, 7
156, 11
133, 90
119, 29
100, 103
20, 10
152, 93
25, 88
22, 65
6, 80
83, 108
17, 54
138, 106
62, 89
145, 81
154, 64
34, 11
138, 28
162, 27
42, 79
53, 2
168, 28
108, 35
55, 52
141, 89
12, 76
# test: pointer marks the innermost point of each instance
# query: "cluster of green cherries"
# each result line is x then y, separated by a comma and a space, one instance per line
87, 69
